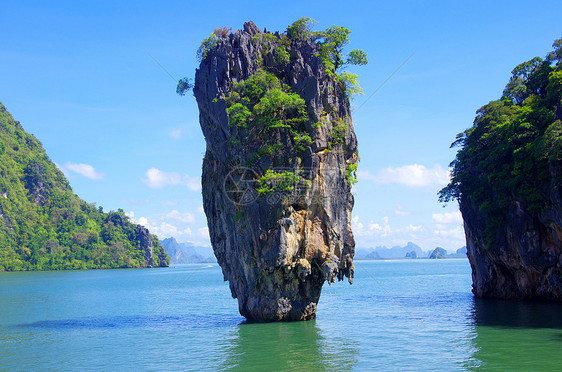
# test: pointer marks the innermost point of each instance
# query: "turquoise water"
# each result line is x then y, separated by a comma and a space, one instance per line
398, 315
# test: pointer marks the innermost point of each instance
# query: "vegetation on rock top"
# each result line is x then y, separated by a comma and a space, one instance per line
504, 158
264, 111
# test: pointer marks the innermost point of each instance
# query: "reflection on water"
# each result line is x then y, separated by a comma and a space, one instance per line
516, 335
286, 346
517, 314
138, 321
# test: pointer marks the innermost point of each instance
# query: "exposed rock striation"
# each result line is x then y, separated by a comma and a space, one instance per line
277, 197
526, 259
438, 253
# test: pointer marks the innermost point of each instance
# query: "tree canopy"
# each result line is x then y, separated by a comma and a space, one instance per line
332, 44
505, 156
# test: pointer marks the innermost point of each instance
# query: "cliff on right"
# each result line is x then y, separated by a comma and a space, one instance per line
507, 178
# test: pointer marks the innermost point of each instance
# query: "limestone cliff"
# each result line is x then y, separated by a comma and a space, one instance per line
507, 178
526, 260
280, 160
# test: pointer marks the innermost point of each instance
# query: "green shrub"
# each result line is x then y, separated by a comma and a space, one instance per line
216, 36
263, 101
348, 83
272, 181
302, 141
301, 29
337, 134
351, 173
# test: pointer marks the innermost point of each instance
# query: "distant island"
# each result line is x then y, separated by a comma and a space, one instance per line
410, 250
187, 253
45, 226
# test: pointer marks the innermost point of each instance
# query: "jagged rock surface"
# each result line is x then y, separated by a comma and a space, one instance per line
526, 261
276, 251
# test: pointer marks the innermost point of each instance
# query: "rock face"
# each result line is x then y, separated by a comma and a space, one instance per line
279, 235
411, 254
438, 253
526, 262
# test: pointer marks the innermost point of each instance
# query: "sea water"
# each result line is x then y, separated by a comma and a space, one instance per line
398, 315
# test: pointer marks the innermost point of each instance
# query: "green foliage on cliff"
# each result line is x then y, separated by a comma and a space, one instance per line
351, 173
332, 42
278, 181
260, 105
267, 116
211, 41
301, 29
337, 134
262, 101
348, 83
45, 226
504, 158
184, 85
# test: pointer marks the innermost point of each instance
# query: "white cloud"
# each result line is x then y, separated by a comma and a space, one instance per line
85, 170
383, 229
182, 217
175, 224
455, 233
156, 178
363, 174
142, 221
203, 232
414, 175
447, 217
166, 229
192, 183
411, 228
357, 226
175, 133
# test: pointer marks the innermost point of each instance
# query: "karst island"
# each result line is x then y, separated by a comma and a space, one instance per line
280, 163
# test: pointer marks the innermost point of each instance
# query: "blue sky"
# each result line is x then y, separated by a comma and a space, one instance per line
91, 80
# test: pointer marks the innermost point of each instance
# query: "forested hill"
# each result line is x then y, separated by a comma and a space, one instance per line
45, 226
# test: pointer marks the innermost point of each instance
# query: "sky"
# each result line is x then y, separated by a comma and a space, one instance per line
95, 82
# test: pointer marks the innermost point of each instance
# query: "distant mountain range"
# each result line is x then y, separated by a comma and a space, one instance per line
186, 253
410, 250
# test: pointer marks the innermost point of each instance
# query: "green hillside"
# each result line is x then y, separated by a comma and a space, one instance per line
45, 226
